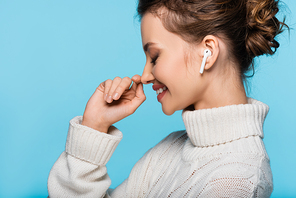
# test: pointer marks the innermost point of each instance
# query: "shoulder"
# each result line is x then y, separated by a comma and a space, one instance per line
175, 136
166, 148
174, 139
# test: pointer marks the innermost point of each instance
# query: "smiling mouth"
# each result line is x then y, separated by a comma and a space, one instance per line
160, 90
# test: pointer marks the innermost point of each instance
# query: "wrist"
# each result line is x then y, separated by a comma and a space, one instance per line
99, 127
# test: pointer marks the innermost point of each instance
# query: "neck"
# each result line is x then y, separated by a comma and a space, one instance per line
225, 87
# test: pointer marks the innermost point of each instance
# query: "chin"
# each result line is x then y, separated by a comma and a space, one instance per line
168, 111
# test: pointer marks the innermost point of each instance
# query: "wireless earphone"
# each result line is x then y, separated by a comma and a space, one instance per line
207, 53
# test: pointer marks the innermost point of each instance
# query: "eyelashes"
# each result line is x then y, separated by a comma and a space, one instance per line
153, 60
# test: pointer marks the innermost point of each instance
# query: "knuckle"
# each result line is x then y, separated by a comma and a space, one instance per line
127, 79
119, 89
101, 86
108, 81
116, 78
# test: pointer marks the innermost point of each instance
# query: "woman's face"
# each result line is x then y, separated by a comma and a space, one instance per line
170, 66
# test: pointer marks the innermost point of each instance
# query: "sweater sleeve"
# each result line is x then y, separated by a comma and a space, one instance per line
81, 171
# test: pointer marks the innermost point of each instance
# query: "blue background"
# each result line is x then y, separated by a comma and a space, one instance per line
53, 54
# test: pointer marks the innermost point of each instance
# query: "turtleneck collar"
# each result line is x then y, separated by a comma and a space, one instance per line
210, 127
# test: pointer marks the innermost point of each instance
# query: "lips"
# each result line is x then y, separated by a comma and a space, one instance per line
160, 91
156, 87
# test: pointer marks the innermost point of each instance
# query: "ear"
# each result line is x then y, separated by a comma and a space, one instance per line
212, 43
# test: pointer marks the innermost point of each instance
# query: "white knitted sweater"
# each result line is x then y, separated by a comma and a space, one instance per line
221, 154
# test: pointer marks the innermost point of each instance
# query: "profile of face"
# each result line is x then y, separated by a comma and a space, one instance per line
170, 66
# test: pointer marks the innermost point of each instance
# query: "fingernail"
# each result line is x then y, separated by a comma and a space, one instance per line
105, 97
109, 99
115, 97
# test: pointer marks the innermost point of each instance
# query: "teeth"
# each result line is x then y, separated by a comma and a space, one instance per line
160, 90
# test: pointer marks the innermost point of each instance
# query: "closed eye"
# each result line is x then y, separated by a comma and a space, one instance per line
153, 61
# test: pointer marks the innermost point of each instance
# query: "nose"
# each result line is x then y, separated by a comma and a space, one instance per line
147, 76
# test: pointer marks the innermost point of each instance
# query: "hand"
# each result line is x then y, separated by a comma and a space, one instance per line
112, 101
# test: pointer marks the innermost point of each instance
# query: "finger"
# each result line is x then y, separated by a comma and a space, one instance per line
116, 81
107, 85
140, 95
139, 98
124, 85
136, 78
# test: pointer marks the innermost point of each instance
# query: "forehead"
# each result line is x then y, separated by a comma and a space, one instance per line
152, 30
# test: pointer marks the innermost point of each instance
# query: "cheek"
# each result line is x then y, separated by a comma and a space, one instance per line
171, 70
175, 66
178, 71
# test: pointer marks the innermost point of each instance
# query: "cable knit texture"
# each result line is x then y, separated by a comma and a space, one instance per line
221, 154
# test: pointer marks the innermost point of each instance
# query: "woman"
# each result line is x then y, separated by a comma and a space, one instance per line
198, 52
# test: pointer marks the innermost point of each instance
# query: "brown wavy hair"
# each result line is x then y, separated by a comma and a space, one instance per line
249, 27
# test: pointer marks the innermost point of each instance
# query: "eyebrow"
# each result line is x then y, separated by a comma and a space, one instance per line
146, 46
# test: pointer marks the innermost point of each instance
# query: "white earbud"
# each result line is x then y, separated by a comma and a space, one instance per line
207, 53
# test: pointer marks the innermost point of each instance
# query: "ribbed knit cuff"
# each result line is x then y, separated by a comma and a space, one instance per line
91, 145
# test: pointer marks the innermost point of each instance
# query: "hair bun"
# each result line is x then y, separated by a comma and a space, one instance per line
262, 27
